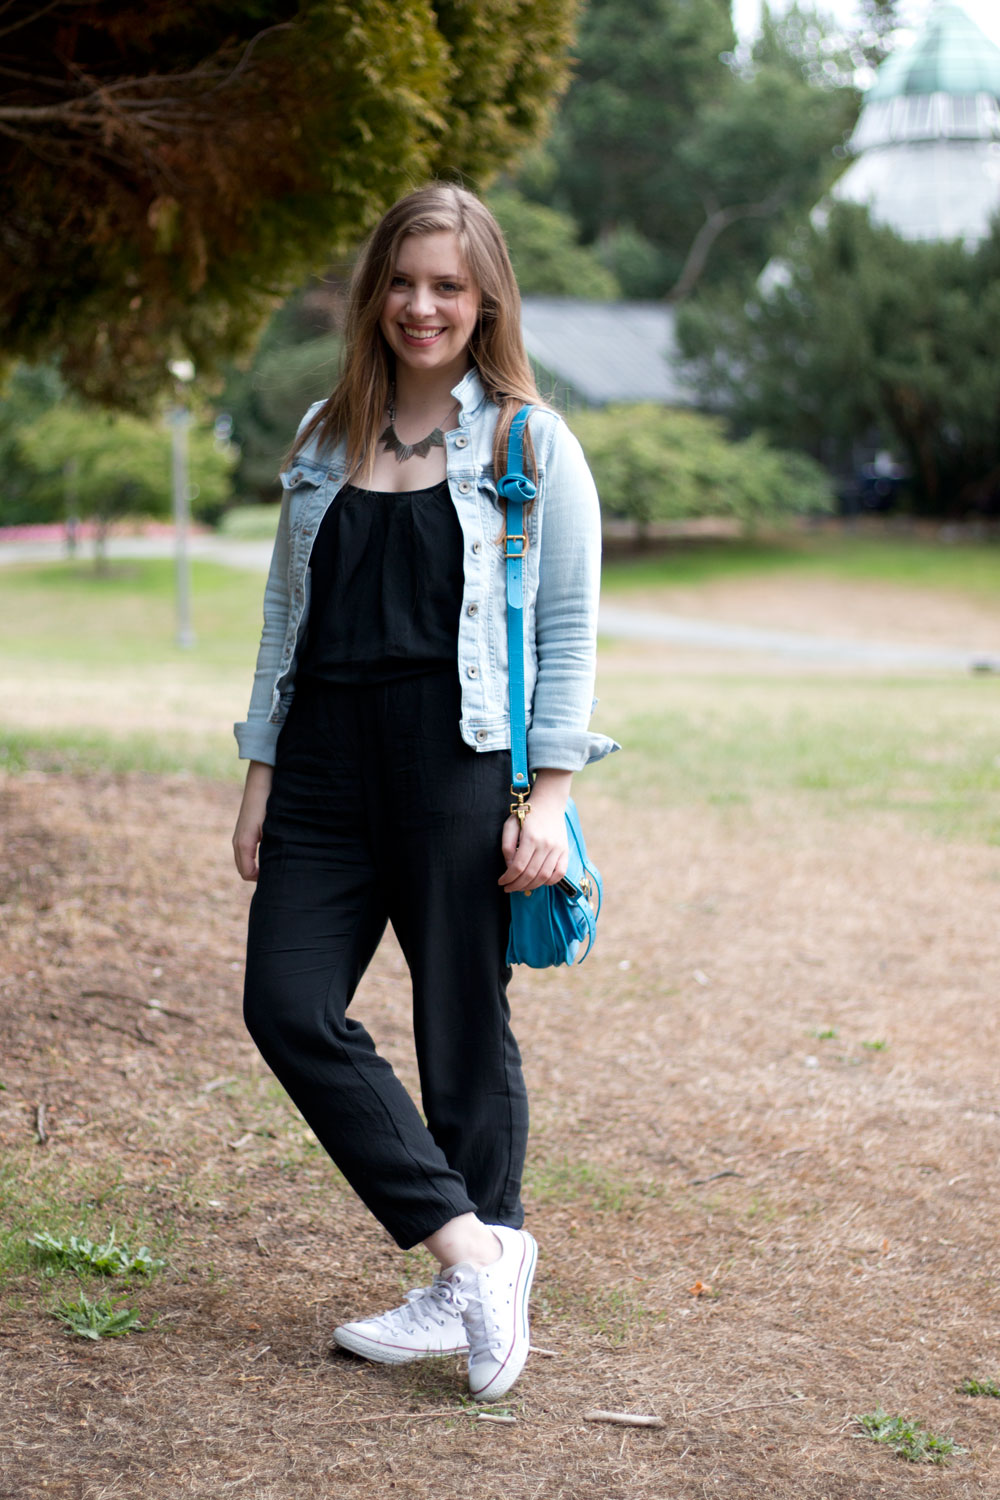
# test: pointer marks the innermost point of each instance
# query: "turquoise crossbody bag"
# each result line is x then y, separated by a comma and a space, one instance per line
550, 924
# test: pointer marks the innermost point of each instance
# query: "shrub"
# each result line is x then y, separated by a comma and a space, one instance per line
652, 463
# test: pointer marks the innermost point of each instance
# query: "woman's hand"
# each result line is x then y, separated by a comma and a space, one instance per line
538, 853
250, 822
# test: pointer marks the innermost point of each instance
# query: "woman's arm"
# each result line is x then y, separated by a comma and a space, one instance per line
565, 613
250, 822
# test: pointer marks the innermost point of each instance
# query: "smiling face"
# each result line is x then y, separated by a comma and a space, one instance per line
431, 307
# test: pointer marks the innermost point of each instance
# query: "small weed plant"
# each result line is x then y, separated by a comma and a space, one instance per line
102, 1319
971, 1387
906, 1439
76, 1253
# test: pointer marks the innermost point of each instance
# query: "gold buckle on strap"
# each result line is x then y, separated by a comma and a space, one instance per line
520, 808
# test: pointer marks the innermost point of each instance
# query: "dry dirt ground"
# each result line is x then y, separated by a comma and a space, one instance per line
747, 1230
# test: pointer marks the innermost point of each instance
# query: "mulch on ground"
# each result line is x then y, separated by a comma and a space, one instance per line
748, 1227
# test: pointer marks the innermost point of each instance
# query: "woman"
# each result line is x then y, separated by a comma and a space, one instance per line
378, 738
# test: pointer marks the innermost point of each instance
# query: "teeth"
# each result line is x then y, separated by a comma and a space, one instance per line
422, 333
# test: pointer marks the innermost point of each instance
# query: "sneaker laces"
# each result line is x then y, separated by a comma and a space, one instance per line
424, 1306
477, 1314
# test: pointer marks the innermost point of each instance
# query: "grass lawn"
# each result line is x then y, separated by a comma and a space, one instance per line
91, 678
853, 557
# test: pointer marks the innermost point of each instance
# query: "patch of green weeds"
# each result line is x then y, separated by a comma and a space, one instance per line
824, 1033
972, 1387
907, 1439
103, 1319
561, 1180
881, 1045
79, 1254
616, 1313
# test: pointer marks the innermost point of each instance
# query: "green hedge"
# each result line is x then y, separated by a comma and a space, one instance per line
652, 463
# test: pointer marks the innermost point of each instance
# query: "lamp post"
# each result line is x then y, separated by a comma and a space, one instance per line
180, 419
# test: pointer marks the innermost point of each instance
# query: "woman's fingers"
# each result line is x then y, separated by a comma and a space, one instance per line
536, 855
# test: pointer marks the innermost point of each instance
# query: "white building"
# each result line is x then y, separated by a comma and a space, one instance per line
928, 138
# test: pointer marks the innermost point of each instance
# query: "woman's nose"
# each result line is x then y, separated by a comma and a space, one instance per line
421, 301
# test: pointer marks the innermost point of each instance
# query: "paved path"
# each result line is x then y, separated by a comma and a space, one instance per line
617, 622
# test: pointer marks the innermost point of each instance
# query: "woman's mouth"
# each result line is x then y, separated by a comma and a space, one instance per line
420, 335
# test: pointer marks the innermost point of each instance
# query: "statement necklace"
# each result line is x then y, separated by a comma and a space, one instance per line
391, 443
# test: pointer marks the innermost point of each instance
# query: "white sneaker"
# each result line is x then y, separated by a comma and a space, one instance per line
428, 1325
494, 1305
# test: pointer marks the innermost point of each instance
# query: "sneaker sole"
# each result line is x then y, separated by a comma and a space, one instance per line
499, 1384
389, 1354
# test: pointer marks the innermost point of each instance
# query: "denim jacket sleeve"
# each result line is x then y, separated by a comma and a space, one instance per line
569, 576
257, 736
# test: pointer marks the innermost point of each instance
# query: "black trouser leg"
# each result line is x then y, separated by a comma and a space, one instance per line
378, 809
446, 808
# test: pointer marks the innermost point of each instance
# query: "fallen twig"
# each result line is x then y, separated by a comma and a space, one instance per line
700, 1181
41, 1134
545, 1353
419, 1416
155, 1005
136, 1035
623, 1419
717, 1411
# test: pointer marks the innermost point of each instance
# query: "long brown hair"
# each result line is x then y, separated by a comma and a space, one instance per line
355, 411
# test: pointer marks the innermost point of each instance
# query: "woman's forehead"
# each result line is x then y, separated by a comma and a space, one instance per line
438, 254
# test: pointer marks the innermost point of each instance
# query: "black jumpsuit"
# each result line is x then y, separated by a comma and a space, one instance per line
380, 812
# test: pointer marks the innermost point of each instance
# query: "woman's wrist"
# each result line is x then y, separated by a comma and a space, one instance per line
551, 786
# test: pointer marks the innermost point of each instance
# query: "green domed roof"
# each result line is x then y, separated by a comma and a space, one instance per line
952, 55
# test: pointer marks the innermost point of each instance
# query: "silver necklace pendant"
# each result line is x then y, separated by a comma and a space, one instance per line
391, 444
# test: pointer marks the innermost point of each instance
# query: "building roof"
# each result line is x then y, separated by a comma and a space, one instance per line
604, 352
952, 55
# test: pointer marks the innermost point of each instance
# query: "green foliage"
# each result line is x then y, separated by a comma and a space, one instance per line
547, 257
656, 464
678, 157
972, 1387
266, 403
103, 1319
860, 329
906, 1439
167, 171
112, 465
28, 393
77, 1253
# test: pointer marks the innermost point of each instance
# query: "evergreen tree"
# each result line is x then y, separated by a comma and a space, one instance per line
167, 169
859, 333
679, 158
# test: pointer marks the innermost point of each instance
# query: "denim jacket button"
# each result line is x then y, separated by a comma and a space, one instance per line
294, 478
472, 671
482, 735
473, 609
477, 547
462, 442
464, 487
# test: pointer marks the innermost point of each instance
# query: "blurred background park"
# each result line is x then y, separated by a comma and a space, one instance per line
759, 256
759, 253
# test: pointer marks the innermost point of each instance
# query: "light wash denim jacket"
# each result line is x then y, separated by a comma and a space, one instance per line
562, 575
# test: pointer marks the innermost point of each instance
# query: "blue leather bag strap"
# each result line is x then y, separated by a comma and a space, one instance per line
517, 490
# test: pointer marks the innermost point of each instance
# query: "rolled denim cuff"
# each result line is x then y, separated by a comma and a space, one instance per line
566, 749
258, 740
